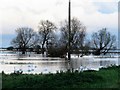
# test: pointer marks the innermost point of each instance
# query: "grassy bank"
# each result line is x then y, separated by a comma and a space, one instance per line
105, 78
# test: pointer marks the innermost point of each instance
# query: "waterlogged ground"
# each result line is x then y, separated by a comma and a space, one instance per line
105, 78
33, 63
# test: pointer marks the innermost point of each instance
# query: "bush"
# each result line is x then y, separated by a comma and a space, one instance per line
57, 51
10, 48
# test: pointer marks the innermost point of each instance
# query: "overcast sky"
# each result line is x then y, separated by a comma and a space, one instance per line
94, 14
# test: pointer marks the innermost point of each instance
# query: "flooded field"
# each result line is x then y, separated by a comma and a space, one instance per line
34, 63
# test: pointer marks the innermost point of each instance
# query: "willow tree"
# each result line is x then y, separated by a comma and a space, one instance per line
24, 38
46, 29
77, 35
103, 41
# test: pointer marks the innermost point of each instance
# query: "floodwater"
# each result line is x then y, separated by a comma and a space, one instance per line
35, 64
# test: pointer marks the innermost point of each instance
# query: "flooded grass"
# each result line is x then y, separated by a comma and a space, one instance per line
104, 78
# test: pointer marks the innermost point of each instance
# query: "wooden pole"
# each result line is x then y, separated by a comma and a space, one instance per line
69, 28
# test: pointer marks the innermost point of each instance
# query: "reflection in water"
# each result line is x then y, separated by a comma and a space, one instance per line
85, 63
44, 67
37, 64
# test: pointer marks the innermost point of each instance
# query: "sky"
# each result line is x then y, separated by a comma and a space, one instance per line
94, 14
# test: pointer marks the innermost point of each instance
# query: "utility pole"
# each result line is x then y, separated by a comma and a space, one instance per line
69, 28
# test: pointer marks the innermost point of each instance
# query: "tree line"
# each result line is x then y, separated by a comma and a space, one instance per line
54, 39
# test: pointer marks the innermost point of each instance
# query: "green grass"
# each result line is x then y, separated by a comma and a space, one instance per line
104, 78
0, 81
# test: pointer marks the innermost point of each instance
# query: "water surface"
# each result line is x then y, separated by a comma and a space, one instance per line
34, 63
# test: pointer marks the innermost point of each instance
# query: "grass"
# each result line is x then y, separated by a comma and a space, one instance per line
0, 81
104, 78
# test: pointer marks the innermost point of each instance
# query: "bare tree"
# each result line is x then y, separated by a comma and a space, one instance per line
46, 29
24, 39
78, 33
103, 41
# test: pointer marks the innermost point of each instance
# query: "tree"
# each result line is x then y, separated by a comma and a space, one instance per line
46, 29
37, 49
77, 36
103, 41
85, 48
10, 48
24, 39
55, 48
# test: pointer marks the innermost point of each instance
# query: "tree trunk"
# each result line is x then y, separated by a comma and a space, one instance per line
97, 52
23, 50
42, 51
